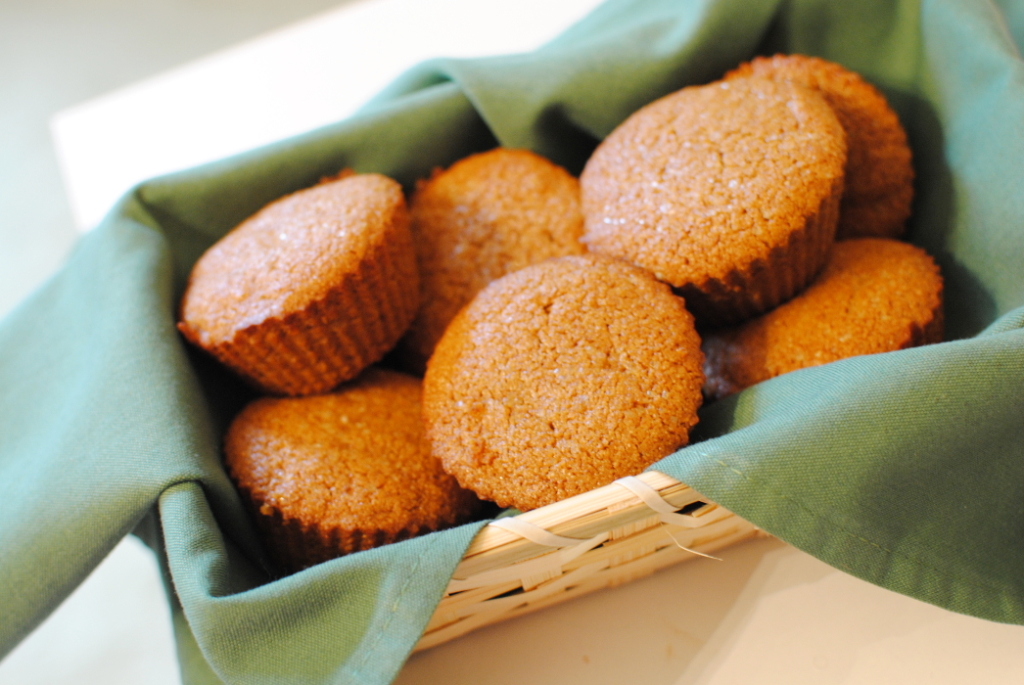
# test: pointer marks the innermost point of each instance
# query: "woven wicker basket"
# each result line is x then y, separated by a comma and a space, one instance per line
599, 539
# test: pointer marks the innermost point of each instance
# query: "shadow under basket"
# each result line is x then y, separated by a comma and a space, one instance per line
599, 539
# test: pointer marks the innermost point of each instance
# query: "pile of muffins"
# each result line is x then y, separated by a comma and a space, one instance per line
546, 335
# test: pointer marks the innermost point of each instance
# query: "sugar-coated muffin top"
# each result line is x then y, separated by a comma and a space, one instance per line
561, 377
879, 174
290, 254
874, 295
485, 216
713, 180
355, 459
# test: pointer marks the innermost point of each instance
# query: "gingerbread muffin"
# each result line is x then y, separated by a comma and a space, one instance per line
333, 474
729, 192
874, 295
310, 290
879, 173
487, 215
561, 377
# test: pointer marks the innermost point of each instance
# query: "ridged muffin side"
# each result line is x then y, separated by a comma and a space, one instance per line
729, 192
485, 216
333, 474
879, 171
874, 295
310, 290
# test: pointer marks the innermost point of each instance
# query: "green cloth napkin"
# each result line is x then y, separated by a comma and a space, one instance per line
906, 469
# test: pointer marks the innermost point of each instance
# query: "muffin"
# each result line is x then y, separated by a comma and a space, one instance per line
874, 295
879, 174
332, 474
487, 215
561, 377
310, 290
729, 192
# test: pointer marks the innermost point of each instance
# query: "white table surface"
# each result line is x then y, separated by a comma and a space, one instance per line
765, 613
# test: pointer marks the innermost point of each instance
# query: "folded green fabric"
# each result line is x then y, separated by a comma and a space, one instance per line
906, 469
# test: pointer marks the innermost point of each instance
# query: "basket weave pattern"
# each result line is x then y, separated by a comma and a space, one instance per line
595, 540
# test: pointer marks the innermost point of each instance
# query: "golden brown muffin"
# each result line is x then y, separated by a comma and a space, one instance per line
310, 290
561, 377
874, 295
729, 192
332, 474
879, 174
487, 215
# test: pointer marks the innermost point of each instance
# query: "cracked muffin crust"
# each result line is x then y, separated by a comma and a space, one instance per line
879, 173
332, 474
560, 378
729, 192
874, 295
485, 216
310, 290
